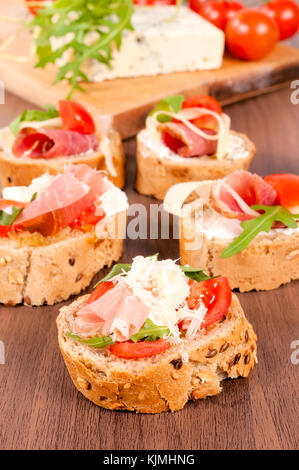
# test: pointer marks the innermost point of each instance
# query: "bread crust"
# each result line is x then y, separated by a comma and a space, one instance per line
156, 175
21, 171
227, 349
265, 264
47, 274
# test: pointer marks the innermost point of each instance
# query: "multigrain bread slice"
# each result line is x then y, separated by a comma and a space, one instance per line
21, 171
165, 381
268, 262
38, 270
156, 174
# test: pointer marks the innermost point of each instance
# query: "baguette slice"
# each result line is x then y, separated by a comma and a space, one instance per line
156, 174
21, 171
37, 273
168, 380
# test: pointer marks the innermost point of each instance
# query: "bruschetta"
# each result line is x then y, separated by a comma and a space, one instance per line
242, 226
188, 140
57, 233
45, 141
154, 335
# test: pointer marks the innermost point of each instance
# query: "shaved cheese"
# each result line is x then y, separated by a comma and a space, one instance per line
192, 113
178, 193
25, 193
106, 150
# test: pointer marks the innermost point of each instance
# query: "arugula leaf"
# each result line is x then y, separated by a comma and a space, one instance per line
96, 342
29, 115
195, 274
263, 223
150, 332
172, 104
8, 219
104, 19
115, 271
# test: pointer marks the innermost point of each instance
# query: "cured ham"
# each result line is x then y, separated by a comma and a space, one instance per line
117, 312
233, 195
63, 201
185, 142
52, 143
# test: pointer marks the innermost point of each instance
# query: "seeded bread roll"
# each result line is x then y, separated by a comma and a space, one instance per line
165, 381
21, 171
156, 174
40, 270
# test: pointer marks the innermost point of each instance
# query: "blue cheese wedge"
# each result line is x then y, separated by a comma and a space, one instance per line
161, 43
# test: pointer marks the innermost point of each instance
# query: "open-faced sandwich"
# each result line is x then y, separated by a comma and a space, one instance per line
188, 140
247, 228
154, 335
57, 233
45, 141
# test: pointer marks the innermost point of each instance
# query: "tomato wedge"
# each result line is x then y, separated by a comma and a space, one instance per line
215, 294
207, 102
130, 350
100, 290
75, 117
87, 219
287, 187
6, 230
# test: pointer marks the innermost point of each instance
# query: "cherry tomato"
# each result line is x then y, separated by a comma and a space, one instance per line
287, 187
216, 12
34, 9
154, 2
251, 34
130, 350
87, 219
215, 294
286, 15
75, 117
100, 290
207, 102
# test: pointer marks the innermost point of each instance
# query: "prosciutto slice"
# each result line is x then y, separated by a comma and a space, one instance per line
233, 195
63, 201
117, 312
185, 142
52, 143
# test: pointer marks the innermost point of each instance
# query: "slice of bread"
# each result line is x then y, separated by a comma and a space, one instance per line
268, 262
40, 270
156, 174
21, 171
165, 381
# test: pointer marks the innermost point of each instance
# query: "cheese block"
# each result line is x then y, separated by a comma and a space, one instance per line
161, 42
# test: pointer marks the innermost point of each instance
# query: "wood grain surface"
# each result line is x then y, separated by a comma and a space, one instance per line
125, 102
41, 409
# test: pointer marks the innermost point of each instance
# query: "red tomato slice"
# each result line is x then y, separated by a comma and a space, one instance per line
87, 219
215, 294
6, 230
100, 290
75, 117
207, 102
287, 187
130, 350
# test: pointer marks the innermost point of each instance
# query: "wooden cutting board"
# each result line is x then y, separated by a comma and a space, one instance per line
125, 102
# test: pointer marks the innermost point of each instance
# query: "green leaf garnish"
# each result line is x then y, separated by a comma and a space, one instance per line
172, 104
29, 115
115, 271
262, 223
105, 19
8, 219
96, 342
195, 274
150, 332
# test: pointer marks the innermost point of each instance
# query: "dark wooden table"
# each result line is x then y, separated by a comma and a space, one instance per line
41, 409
